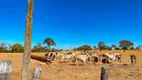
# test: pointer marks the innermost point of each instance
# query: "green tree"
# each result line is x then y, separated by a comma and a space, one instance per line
17, 48
49, 42
106, 48
53, 50
126, 44
101, 45
117, 48
39, 48
84, 47
132, 48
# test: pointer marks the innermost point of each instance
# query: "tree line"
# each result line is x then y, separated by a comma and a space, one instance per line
16, 48
123, 45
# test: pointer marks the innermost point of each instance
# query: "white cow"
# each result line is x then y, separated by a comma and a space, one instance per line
113, 56
66, 56
110, 56
82, 58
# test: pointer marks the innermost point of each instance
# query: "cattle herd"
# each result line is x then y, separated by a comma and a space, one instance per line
84, 57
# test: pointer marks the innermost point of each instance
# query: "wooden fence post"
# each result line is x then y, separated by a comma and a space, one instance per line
36, 73
104, 73
5, 70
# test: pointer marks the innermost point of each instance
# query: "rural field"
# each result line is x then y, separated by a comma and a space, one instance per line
67, 71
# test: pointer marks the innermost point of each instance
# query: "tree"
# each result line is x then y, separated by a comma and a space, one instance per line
132, 48
101, 44
3, 44
9, 47
1, 50
113, 46
39, 47
106, 48
3, 47
49, 42
27, 46
74, 49
138, 47
126, 44
84, 47
95, 47
53, 50
17, 48
117, 48
60, 49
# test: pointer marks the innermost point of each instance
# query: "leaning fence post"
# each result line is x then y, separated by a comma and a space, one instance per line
5, 70
36, 73
104, 73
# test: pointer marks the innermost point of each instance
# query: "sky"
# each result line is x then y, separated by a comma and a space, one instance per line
71, 23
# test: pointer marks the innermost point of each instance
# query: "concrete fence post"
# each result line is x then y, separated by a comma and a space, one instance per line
5, 70
36, 74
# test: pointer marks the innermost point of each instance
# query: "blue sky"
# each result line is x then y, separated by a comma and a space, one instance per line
73, 22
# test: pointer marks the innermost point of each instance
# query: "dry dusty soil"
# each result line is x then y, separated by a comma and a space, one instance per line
67, 71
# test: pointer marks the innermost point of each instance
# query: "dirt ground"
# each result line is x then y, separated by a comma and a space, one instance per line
67, 71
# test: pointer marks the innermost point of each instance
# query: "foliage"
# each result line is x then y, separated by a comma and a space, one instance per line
3, 47
49, 42
60, 50
84, 47
53, 50
39, 48
132, 48
117, 48
113, 46
101, 45
126, 44
95, 47
106, 48
138, 47
17, 48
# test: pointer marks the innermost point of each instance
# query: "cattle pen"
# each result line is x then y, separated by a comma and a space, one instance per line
63, 71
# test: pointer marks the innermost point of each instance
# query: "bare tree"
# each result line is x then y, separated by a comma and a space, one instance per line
9, 47
101, 44
27, 46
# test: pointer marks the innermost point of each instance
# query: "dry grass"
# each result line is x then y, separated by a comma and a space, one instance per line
65, 71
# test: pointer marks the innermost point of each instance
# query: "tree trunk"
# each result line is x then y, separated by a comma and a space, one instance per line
27, 46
